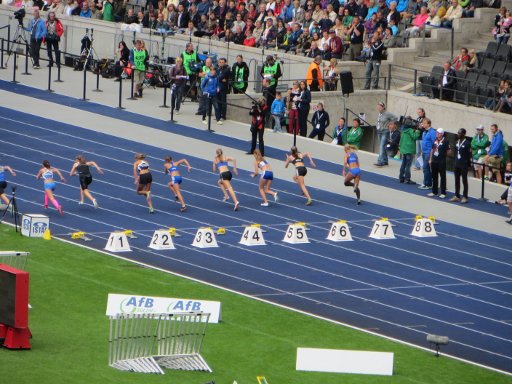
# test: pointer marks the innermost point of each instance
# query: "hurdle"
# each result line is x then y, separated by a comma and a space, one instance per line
147, 342
14, 259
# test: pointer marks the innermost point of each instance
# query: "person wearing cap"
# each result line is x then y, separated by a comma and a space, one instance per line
462, 163
479, 145
224, 77
383, 120
271, 70
336, 45
437, 163
314, 75
373, 64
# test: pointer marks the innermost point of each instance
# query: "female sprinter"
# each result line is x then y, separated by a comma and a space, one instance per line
297, 159
171, 167
81, 167
260, 164
351, 170
220, 163
3, 183
142, 177
49, 184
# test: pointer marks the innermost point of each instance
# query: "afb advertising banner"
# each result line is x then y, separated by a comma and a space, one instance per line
149, 304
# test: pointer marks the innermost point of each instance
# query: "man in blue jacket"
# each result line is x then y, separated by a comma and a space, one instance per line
495, 153
427, 141
37, 29
210, 88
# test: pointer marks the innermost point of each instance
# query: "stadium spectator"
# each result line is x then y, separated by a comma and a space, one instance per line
437, 162
462, 163
479, 145
373, 63
355, 134
446, 83
37, 29
331, 75
85, 11
356, 33
336, 45
277, 110
453, 13
314, 78
418, 23
504, 103
502, 89
58, 7
461, 60
495, 154
54, 31
427, 141
469, 10
383, 119
108, 10
97, 14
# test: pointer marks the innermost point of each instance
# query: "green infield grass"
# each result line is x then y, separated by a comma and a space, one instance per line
68, 294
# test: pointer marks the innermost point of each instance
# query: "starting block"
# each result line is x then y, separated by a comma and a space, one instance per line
382, 229
117, 242
205, 238
221, 231
80, 236
296, 234
162, 239
252, 236
129, 233
423, 227
340, 231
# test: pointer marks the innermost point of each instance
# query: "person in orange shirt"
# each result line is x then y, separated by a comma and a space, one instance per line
314, 76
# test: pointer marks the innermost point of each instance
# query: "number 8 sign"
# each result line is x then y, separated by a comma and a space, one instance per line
424, 228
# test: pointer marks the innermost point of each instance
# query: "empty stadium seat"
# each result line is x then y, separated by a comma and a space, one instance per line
487, 66
499, 68
503, 52
492, 48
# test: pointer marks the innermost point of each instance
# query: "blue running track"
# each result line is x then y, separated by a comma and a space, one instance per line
458, 284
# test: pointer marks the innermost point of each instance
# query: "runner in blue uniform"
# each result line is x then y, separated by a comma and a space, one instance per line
262, 165
46, 173
171, 167
351, 170
220, 163
3, 183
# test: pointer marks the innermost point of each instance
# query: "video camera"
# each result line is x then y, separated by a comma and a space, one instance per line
20, 15
408, 122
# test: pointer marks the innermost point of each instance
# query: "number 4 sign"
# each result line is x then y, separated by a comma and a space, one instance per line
161, 240
205, 238
424, 228
252, 236
296, 234
382, 229
117, 242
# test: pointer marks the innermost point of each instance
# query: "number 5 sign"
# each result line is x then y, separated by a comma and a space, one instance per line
296, 234
424, 228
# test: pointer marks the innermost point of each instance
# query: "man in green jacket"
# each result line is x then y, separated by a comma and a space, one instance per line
355, 134
479, 143
407, 149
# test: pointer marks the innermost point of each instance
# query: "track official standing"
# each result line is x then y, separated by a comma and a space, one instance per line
138, 60
383, 120
463, 157
189, 57
224, 75
438, 164
320, 122
178, 77
271, 70
240, 75
37, 29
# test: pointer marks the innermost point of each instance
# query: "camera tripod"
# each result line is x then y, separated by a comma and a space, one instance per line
12, 207
20, 38
88, 52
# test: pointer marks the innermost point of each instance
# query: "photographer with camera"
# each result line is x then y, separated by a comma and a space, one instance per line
407, 146
37, 29
258, 113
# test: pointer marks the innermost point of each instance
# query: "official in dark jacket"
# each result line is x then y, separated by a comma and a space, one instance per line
303, 106
320, 122
462, 162
224, 75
